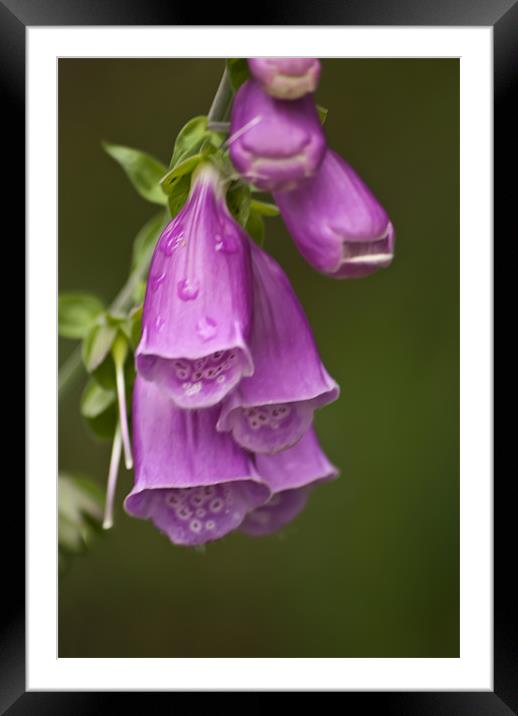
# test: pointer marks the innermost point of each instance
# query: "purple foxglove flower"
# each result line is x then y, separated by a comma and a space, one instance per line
274, 144
271, 410
286, 77
291, 476
197, 309
338, 225
193, 483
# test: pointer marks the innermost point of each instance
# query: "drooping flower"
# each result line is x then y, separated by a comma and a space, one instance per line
270, 410
197, 309
274, 144
286, 77
336, 222
195, 484
291, 476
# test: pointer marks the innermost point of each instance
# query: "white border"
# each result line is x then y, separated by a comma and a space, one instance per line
473, 670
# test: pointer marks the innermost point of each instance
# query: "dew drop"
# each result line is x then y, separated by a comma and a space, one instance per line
206, 328
172, 242
227, 243
160, 323
156, 281
188, 289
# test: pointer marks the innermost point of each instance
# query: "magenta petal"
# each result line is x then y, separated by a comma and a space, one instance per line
274, 144
291, 475
281, 509
336, 222
197, 309
286, 77
272, 409
195, 484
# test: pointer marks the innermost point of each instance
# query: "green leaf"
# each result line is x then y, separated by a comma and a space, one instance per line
140, 292
95, 400
322, 113
99, 408
238, 202
121, 321
146, 239
97, 345
255, 227
187, 166
179, 196
143, 171
238, 71
77, 313
136, 326
103, 426
264, 208
104, 374
195, 138
189, 140
80, 511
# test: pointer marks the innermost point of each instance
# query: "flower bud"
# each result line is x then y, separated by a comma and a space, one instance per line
286, 77
337, 223
274, 144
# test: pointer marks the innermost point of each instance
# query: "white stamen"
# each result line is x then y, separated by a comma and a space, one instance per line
123, 415
245, 128
369, 259
112, 479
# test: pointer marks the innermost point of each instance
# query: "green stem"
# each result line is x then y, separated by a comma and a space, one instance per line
71, 368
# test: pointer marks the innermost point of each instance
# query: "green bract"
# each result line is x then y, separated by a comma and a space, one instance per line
98, 408
97, 344
80, 512
255, 227
238, 71
322, 113
145, 241
194, 143
77, 313
143, 171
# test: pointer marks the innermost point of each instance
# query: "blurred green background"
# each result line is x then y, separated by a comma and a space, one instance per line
371, 567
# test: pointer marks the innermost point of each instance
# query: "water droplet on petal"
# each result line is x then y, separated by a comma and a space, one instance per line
227, 243
160, 323
156, 281
188, 289
173, 241
206, 328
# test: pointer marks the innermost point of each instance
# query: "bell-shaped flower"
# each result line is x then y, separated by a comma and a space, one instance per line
286, 77
197, 309
337, 223
274, 144
291, 475
193, 483
270, 410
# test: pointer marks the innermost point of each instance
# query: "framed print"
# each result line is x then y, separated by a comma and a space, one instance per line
259, 292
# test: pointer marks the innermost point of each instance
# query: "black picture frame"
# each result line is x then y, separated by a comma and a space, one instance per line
15, 16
